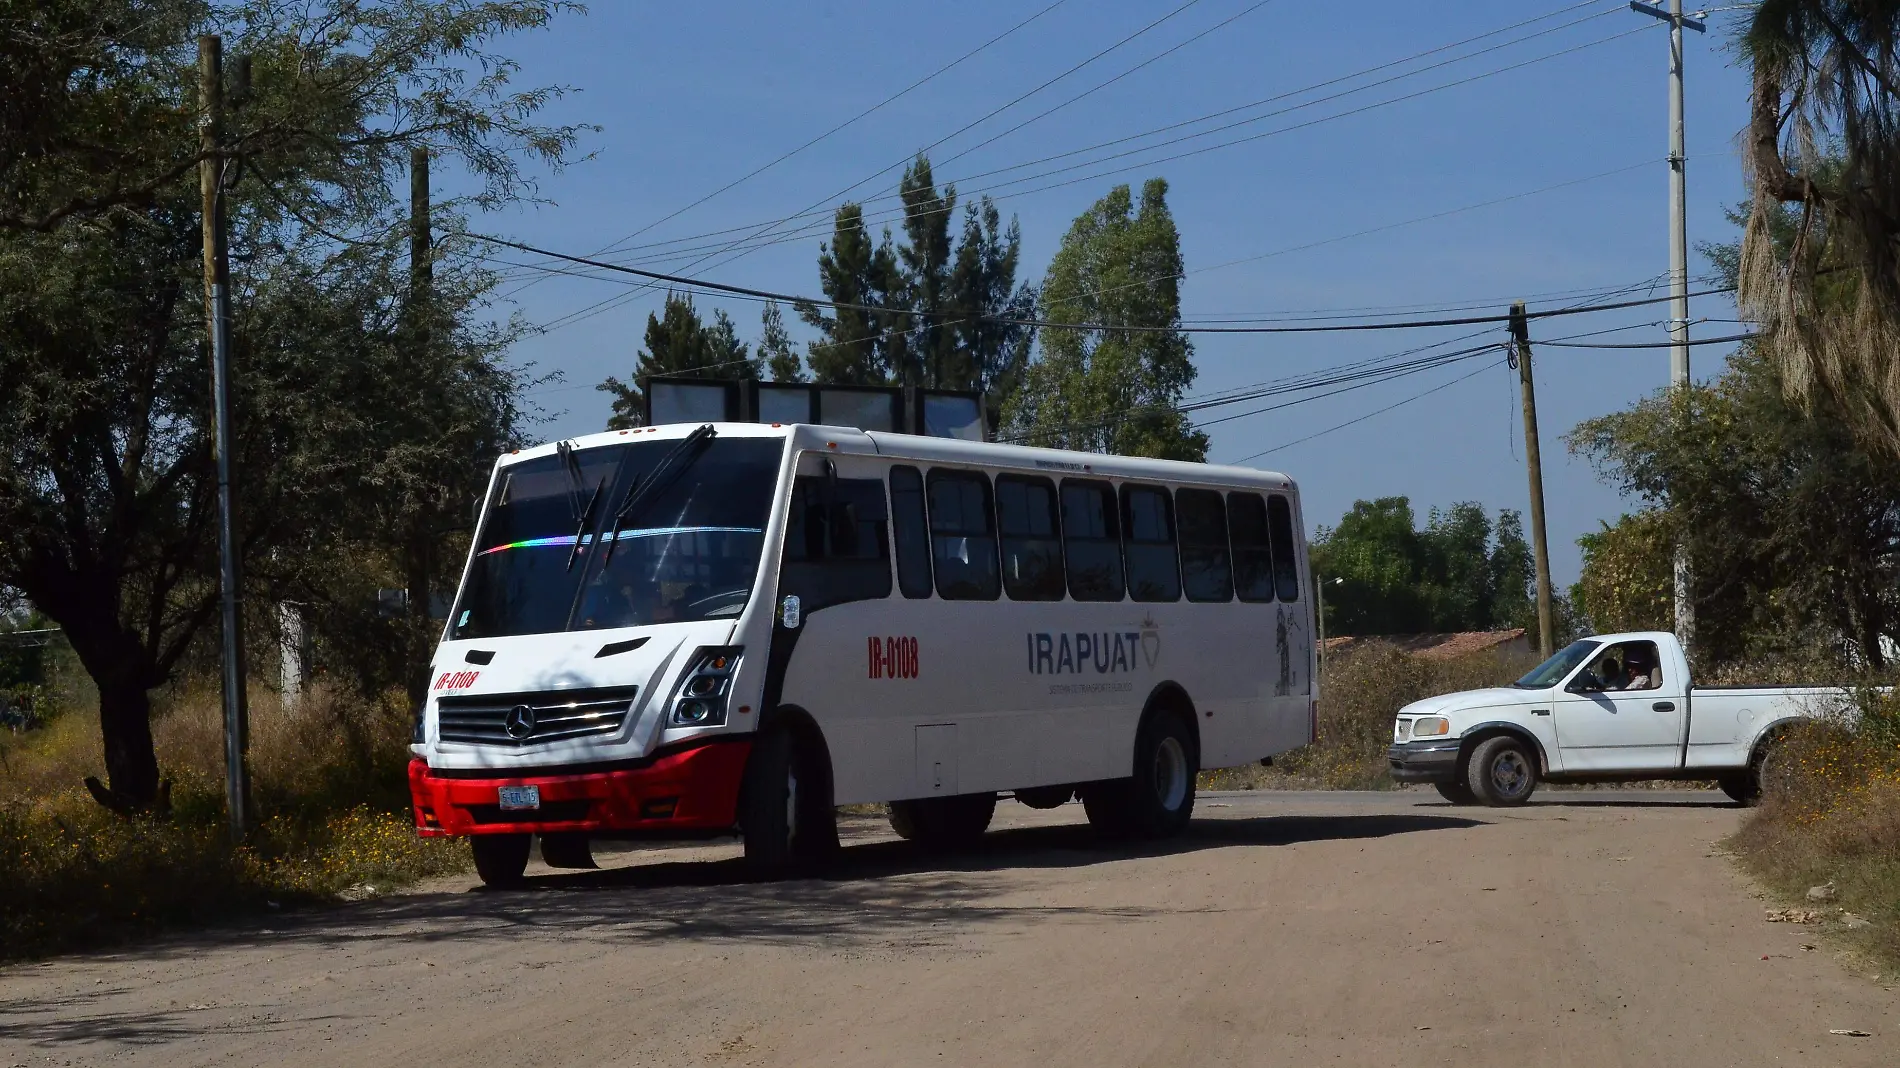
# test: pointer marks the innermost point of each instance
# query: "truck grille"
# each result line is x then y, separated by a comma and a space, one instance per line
517, 719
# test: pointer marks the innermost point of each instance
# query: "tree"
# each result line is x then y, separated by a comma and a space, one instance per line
1824, 136
991, 350
1792, 528
782, 362
679, 344
1112, 382
856, 343
1628, 579
927, 346
343, 422
1460, 573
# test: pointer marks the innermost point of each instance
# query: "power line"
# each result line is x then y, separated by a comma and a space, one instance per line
747, 292
880, 105
772, 238
984, 118
1653, 344
1363, 418
826, 211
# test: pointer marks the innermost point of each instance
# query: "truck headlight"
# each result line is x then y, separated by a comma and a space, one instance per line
700, 699
1430, 727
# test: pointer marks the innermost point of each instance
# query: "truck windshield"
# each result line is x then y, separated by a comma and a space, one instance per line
691, 551
1552, 671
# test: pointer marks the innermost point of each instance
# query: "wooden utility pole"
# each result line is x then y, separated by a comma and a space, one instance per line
1540, 548
211, 182
420, 555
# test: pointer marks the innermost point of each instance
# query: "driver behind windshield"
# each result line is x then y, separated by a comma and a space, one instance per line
1641, 670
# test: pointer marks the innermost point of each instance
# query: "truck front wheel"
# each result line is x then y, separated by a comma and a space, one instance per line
1502, 771
1457, 793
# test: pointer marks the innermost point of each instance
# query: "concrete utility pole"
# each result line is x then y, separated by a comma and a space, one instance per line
1678, 258
211, 180
1534, 462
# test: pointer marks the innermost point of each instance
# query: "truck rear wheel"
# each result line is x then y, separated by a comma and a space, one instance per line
501, 858
1742, 787
785, 812
567, 850
944, 822
1502, 771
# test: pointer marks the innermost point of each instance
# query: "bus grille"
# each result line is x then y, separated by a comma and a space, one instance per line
492, 719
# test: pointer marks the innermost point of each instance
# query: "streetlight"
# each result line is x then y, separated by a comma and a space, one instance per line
1319, 593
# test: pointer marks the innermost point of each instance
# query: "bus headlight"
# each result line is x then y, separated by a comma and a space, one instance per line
700, 700
1431, 727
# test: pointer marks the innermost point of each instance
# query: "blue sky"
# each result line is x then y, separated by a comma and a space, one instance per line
692, 96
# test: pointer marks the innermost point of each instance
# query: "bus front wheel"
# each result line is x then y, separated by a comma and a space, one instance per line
785, 811
500, 859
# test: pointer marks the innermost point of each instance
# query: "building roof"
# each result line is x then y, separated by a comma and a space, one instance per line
1434, 646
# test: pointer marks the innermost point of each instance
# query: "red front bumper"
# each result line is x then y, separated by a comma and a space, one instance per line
692, 790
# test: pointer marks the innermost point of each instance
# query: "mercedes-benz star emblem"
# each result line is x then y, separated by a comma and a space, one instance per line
520, 722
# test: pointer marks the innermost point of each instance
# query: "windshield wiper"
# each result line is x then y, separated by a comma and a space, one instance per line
644, 491
577, 485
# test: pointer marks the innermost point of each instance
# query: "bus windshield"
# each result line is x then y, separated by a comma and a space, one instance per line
557, 552
1552, 671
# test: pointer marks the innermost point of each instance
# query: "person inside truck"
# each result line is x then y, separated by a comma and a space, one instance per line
1640, 668
1607, 673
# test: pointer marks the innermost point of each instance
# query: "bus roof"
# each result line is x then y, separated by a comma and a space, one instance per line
942, 450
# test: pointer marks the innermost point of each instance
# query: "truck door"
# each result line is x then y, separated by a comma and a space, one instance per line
1623, 712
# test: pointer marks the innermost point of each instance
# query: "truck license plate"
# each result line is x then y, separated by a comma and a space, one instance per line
515, 798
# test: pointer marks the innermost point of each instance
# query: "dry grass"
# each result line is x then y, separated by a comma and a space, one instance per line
328, 788
1359, 695
1831, 816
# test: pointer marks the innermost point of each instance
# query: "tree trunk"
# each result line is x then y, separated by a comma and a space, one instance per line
125, 725
418, 553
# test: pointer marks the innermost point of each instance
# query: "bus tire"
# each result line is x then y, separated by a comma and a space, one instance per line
785, 811
567, 850
501, 858
1045, 796
944, 822
1502, 771
1158, 800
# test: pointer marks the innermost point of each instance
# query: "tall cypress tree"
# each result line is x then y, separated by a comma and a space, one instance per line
929, 350
855, 343
679, 343
1105, 389
988, 354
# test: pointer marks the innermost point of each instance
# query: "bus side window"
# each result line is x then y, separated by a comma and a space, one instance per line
1092, 540
836, 549
912, 529
1286, 569
1032, 544
963, 535
1205, 574
1154, 565
1253, 549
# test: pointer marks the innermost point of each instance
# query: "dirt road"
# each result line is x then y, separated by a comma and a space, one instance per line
1591, 929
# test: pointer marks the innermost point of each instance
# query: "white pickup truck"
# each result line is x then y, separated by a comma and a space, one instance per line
1610, 708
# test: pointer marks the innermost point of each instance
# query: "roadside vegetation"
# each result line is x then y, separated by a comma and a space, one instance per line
332, 812
1827, 834
1359, 693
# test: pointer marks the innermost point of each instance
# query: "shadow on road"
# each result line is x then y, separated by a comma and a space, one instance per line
878, 894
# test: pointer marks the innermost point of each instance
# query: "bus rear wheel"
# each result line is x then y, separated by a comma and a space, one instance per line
501, 858
1158, 800
944, 822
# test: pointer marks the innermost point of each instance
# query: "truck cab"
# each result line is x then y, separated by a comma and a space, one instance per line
1606, 708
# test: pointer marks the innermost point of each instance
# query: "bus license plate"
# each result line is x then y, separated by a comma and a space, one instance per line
515, 798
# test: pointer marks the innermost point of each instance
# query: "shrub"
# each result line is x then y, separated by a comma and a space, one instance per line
329, 793
1360, 693
1830, 813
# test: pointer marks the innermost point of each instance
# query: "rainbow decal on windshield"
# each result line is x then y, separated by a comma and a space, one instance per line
565, 540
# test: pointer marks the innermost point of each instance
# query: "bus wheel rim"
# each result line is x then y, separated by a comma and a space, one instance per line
1170, 774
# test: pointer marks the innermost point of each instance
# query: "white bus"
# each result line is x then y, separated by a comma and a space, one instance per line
688, 631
